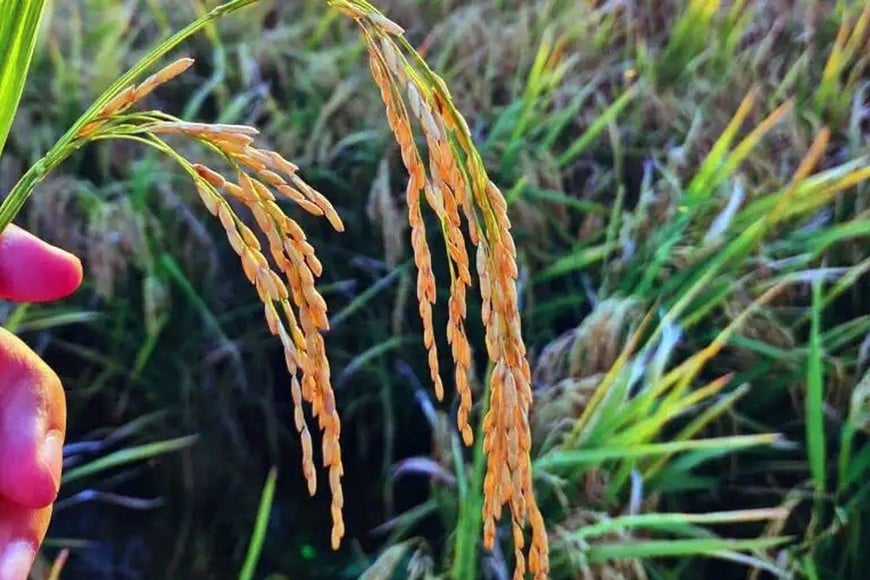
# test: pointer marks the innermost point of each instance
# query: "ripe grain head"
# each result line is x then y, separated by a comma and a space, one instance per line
455, 178
283, 271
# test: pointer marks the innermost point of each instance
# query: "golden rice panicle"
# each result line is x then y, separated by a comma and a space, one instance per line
399, 122
294, 309
507, 436
293, 256
443, 195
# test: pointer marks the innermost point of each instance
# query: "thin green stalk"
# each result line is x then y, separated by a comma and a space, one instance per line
815, 400
469, 528
70, 141
258, 536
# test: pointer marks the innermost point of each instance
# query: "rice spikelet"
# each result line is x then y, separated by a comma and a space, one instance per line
135, 93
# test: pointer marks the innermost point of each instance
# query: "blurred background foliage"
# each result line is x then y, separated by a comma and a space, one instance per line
649, 231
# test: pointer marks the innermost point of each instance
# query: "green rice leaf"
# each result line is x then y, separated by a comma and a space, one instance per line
259, 534
815, 400
19, 28
126, 456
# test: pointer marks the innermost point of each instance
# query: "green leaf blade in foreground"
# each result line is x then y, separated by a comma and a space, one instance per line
594, 456
19, 28
258, 536
712, 547
127, 456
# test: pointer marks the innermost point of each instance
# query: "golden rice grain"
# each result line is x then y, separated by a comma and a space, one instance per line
120, 102
164, 75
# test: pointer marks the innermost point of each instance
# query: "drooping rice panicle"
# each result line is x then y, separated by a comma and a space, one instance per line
299, 330
455, 185
456, 178
397, 117
443, 195
294, 310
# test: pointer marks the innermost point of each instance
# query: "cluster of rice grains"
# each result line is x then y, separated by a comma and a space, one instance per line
294, 309
456, 184
295, 262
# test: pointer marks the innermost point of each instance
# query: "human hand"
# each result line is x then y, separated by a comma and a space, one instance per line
32, 404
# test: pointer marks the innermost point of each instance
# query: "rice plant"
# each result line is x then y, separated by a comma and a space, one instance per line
458, 180
694, 309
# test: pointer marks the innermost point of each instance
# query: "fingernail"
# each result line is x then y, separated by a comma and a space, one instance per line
16, 561
52, 455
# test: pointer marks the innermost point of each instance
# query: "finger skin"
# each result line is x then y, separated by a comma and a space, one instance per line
23, 530
34, 271
32, 406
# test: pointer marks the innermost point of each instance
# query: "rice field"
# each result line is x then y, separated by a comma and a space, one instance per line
479, 289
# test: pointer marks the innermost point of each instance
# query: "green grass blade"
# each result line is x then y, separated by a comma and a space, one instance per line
721, 406
126, 456
570, 459
663, 548
654, 521
370, 293
49, 320
596, 128
577, 260
815, 427
258, 536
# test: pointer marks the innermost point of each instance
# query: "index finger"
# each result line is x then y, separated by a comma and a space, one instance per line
33, 271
